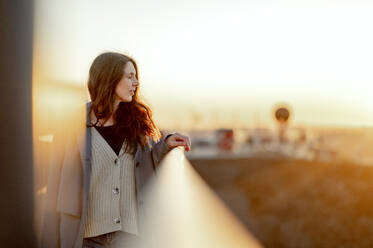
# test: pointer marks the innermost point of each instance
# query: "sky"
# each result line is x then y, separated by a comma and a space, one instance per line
222, 63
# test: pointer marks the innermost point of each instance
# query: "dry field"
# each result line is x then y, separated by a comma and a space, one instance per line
292, 203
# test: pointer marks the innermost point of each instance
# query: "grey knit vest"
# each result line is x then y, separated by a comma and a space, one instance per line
112, 204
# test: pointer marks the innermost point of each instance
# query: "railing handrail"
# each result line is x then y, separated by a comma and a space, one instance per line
184, 212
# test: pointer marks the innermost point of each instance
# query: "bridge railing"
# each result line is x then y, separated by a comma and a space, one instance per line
182, 211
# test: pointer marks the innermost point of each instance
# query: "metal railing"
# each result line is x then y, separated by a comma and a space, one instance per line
182, 211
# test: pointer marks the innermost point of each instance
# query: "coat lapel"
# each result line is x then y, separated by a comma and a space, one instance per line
84, 140
84, 143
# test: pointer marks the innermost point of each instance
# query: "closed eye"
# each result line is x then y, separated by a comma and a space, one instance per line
132, 75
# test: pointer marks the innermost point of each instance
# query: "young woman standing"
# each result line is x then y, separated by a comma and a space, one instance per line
95, 194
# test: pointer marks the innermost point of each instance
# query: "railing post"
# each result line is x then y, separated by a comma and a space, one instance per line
16, 170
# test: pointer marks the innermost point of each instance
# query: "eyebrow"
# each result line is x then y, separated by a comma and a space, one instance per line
131, 73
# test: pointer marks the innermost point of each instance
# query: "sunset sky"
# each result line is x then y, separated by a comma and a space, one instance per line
222, 63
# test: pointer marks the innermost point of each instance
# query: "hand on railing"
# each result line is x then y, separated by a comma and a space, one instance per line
176, 139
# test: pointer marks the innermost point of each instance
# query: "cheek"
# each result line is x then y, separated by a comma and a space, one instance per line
122, 91
122, 88
126, 84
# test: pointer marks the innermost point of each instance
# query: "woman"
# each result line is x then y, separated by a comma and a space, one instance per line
95, 193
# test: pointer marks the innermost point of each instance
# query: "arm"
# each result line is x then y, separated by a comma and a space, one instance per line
159, 150
167, 143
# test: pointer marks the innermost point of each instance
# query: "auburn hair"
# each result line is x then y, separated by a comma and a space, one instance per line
132, 119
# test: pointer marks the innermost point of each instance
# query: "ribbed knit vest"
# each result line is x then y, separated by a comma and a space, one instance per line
112, 204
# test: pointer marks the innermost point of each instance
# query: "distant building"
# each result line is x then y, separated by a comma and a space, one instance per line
225, 140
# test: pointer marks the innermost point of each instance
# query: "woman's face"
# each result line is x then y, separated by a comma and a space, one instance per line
126, 87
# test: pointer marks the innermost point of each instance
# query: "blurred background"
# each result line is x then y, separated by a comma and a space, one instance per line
275, 95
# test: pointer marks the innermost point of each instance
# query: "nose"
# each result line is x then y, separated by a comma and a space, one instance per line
135, 82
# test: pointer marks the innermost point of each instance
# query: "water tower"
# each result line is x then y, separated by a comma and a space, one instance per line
282, 116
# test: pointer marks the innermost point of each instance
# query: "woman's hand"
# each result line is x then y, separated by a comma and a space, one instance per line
178, 140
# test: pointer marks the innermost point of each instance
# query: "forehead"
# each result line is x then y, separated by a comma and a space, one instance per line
129, 68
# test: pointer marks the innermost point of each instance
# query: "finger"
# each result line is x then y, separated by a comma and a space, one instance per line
181, 140
178, 143
187, 148
184, 144
187, 141
187, 144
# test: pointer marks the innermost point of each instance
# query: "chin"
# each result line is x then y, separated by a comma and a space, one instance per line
127, 99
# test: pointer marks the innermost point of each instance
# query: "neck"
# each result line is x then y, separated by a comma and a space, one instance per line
108, 122
116, 104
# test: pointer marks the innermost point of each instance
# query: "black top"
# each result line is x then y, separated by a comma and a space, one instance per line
115, 141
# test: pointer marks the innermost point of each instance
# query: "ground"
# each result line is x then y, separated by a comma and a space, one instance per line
293, 203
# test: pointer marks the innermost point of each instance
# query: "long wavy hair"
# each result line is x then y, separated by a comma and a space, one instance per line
133, 120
